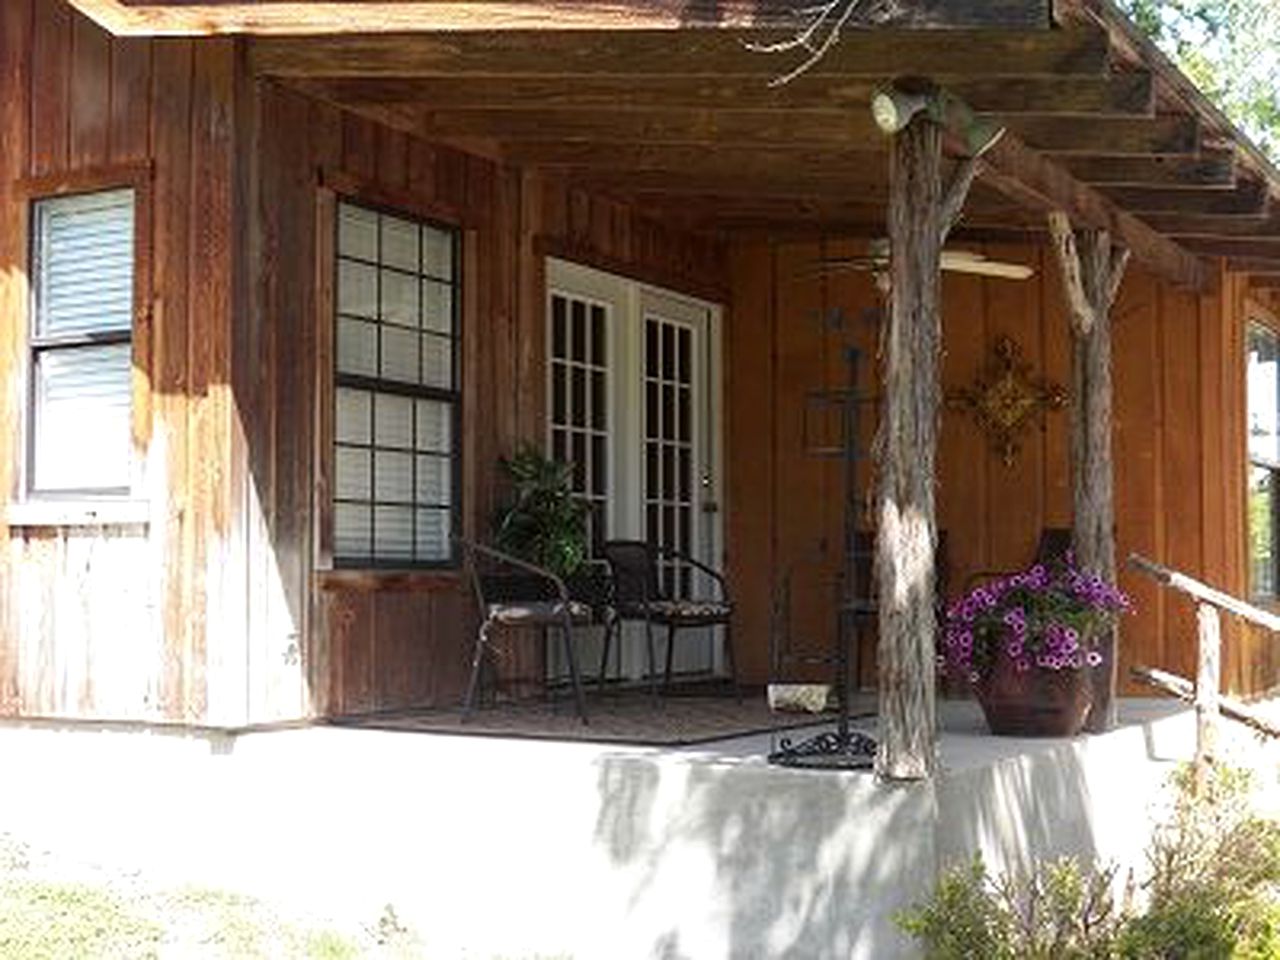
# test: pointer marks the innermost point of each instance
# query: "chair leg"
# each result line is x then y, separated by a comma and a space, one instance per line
572, 657
604, 654
733, 661
671, 646
477, 658
653, 663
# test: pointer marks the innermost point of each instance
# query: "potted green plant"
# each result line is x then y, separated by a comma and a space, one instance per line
1027, 644
543, 520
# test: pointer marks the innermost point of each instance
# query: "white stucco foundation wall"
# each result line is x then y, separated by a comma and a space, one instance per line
519, 848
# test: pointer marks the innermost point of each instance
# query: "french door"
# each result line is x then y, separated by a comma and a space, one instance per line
633, 389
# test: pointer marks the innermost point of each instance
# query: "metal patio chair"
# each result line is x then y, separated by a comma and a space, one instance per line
638, 596
513, 593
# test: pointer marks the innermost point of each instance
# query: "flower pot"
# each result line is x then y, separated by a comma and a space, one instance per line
1035, 702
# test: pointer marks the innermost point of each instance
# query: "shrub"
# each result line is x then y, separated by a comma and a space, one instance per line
1210, 894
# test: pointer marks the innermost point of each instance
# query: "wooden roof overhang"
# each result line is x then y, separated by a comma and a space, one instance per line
663, 103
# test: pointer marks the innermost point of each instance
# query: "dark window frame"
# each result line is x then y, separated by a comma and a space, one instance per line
375, 385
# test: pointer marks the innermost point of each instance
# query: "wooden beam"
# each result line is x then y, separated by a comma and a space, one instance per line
859, 165
1170, 135
1191, 225
756, 128
1122, 95
1041, 184
547, 53
1265, 281
190, 18
1254, 264
1248, 199
1215, 169
1260, 247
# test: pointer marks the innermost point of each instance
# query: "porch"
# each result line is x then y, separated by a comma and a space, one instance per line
492, 846
661, 157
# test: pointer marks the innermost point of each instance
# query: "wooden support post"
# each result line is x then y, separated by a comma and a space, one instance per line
1208, 688
1091, 274
920, 215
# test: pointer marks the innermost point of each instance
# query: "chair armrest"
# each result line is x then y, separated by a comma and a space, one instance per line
711, 572
477, 548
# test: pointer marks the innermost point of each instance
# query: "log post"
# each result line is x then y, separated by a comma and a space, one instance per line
1208, 687
1092, 269
920, 215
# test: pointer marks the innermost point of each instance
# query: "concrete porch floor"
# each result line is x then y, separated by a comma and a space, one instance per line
490, 846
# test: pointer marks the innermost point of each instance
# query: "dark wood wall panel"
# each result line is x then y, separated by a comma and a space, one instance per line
1178, 438
376, 642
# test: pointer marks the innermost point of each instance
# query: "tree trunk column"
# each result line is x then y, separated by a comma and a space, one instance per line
907, 530
1091, 273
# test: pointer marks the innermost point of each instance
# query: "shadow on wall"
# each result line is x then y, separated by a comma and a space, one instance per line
754, 862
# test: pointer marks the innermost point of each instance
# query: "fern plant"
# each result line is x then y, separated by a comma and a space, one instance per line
543, 521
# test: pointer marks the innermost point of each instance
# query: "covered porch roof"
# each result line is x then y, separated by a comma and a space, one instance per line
664, 104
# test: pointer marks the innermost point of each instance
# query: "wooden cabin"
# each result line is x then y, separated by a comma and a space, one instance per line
280, 284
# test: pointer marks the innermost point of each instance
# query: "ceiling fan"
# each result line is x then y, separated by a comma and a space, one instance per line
876, 260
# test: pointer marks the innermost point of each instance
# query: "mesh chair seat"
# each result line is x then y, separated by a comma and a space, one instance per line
533, 613
684, 611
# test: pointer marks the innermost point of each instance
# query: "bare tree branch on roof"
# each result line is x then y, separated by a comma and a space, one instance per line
822, 28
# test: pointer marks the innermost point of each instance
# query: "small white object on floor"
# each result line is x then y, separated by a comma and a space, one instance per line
799, 697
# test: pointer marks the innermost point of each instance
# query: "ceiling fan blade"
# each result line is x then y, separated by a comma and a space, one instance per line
960, 261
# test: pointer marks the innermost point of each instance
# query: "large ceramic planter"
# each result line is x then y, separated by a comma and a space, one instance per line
1035, 702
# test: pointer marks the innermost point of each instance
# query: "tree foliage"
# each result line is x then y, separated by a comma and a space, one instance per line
1231, 49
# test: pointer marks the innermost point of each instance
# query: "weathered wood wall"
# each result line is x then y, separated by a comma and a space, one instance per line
1179, 439
114, 620
336, 642
214, 610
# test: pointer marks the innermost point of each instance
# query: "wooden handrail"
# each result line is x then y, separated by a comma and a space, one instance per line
1211, 603
1204, 593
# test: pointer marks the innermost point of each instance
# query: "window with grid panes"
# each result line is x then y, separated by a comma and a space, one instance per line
79, 439
396, 390
579, 371
1263, 383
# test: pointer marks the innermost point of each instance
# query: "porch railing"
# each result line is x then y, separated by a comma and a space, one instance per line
1210, 705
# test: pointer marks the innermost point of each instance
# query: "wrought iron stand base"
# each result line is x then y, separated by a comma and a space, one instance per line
832, 750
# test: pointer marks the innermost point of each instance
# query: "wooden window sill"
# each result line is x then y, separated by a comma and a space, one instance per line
389, 580
78, 513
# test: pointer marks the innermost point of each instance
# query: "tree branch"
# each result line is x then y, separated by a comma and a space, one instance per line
1119, 263
1064, 245
958, 193
826, 21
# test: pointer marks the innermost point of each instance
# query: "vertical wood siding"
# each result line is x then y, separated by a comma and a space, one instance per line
1179, 440
114, 621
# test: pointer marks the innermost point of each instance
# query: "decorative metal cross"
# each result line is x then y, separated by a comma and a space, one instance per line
1005, 399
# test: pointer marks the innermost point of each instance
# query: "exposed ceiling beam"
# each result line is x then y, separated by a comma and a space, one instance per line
1110, 136
1234, 247
1121, 95
1191, 225
1248, 198
1212, 169
194, 18
547, 53
1037, 182
858, 164
847, 129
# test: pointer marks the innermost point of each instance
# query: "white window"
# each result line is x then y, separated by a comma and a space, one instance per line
397, 394
1263, 381
83, 286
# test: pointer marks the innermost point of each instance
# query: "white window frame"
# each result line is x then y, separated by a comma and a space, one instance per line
88, 504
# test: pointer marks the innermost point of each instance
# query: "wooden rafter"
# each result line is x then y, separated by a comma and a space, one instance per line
1120, 95
653, 53
369, 16
1040, 184
1211, 170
